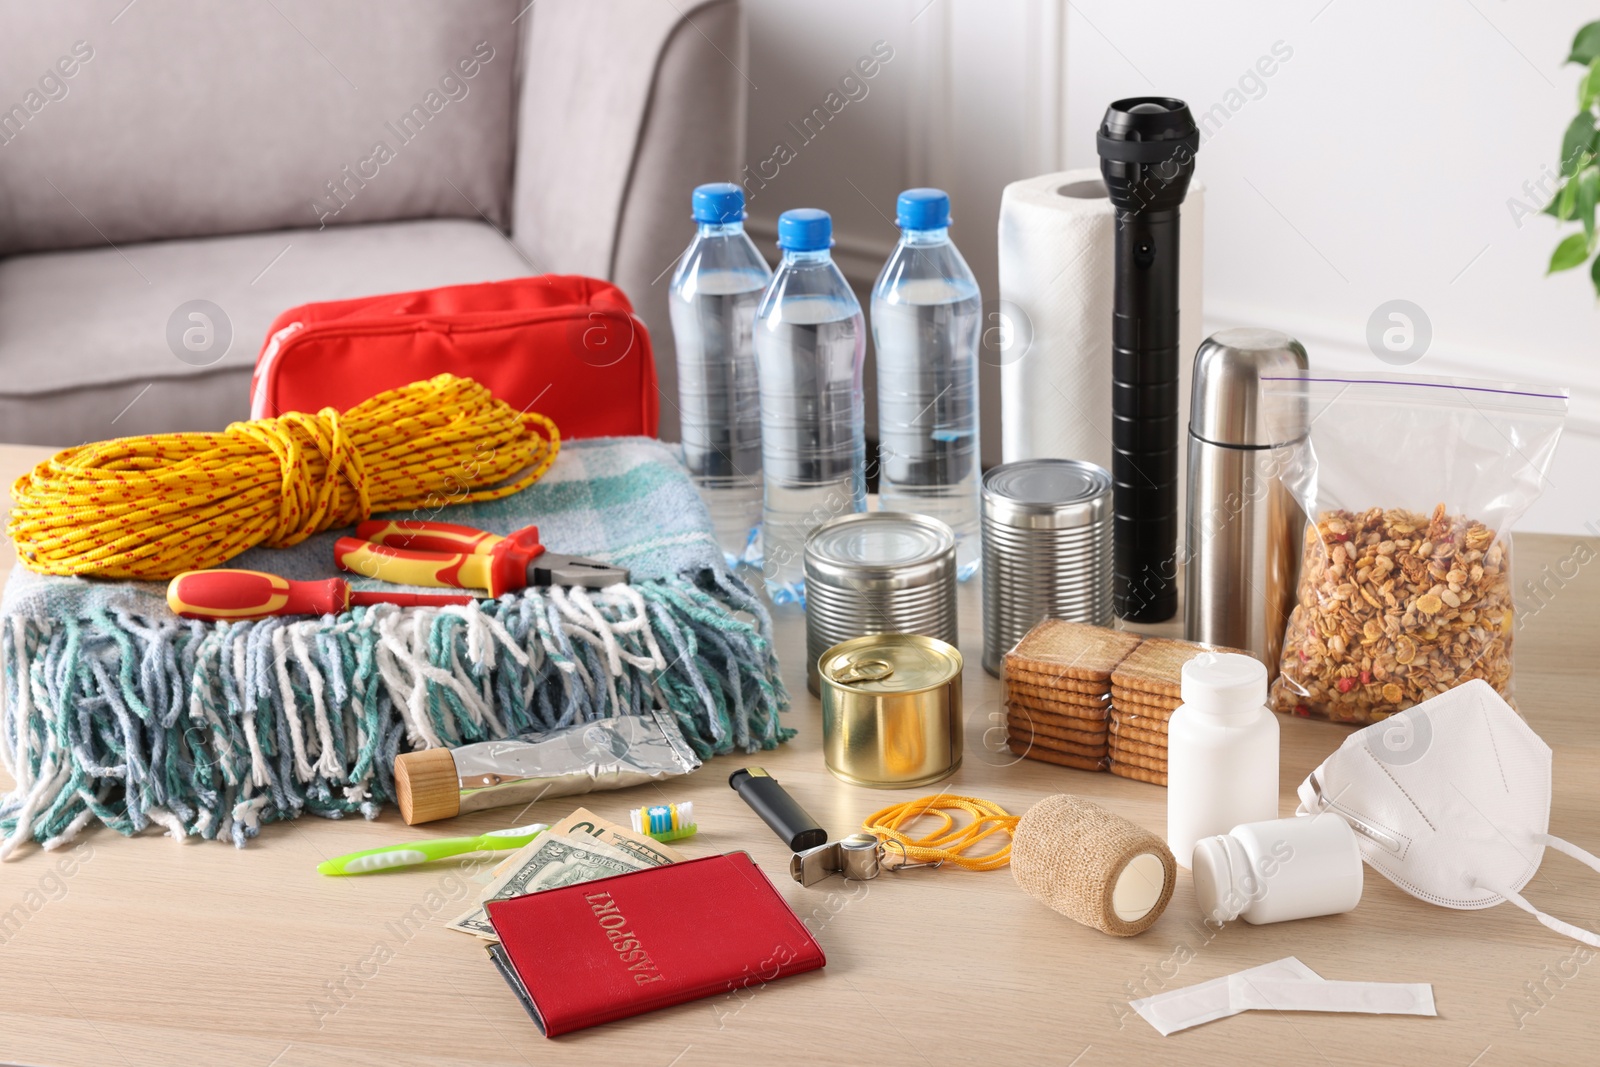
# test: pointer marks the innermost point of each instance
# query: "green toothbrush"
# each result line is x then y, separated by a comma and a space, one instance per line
414, 852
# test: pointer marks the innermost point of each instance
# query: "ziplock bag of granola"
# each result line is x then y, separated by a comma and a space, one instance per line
1411, 485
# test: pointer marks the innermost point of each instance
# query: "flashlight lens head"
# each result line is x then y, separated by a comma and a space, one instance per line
1147, 146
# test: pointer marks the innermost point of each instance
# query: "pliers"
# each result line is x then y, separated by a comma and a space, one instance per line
415, 552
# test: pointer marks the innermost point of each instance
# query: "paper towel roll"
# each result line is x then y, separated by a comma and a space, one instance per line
1057, 277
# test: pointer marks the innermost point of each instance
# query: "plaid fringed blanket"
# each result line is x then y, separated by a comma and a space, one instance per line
118, 711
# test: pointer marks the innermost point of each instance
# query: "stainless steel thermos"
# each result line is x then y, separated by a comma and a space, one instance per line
1243, 527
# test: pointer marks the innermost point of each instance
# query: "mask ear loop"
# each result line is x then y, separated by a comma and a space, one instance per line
1588, 859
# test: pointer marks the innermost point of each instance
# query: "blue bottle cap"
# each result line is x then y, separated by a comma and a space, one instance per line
922, 209
718, 203
805, 229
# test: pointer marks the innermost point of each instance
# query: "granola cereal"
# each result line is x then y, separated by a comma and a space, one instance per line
1394, 607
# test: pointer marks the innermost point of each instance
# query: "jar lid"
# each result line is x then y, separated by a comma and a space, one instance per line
891, 663
1047, 493
1213, 868
874, 548
1223, 683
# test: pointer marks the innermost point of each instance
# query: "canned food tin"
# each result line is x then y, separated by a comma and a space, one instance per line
891, 710
1046, 549
877, 573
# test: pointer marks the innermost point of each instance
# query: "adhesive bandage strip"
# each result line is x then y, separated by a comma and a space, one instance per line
1246, 993
1180, 1009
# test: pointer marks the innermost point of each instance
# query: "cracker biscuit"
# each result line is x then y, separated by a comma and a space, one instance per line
1149, 763
1140, 722
1123, 746
1056, 744
1156, 666
1090, 688
1065, 722
1136, 733
1039, 687
1022, 726
1138, 774
1093, 712
1061, 759
1146, 711
1071, 649
1120, 695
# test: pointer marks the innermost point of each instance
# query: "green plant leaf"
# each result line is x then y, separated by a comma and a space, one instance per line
1579, 141
1586, 45
1589, 86
1571, 252
1588, 192
1594, 276
1567, 200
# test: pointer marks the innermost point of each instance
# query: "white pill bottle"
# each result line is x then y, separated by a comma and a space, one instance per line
1270, 872
1222, 751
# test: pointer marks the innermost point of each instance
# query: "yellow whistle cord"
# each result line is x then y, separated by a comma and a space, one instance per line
945, 844
151, 507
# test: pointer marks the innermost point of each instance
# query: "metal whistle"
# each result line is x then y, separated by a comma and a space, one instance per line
858, 857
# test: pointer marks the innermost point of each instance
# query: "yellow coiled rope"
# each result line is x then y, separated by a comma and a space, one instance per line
151, 507
947, 843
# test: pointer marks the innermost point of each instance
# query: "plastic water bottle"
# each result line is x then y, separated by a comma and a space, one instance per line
926, 315
810, 343
715, 291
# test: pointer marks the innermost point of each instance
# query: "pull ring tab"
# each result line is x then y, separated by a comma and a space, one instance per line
866, 670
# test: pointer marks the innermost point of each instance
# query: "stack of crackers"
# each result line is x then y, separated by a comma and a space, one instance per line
1095, 699
1144, 693
1058, 692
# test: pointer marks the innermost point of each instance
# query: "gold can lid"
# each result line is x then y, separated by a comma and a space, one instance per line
891, 663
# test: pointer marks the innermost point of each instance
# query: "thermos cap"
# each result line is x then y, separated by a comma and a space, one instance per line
1226, 406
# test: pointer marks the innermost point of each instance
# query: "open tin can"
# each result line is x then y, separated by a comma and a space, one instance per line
891, 710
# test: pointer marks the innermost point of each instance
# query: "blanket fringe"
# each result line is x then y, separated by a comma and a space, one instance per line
213, 730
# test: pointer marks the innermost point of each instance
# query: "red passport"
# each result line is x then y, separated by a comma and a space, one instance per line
586, 954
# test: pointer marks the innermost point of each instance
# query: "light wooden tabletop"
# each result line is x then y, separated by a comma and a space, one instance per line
152, 951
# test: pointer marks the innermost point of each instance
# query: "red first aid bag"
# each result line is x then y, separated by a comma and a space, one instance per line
566, 346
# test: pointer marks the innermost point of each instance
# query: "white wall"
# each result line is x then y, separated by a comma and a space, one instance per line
971, 100
1376, 162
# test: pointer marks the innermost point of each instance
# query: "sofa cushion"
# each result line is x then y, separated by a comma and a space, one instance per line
127, 122
83, 333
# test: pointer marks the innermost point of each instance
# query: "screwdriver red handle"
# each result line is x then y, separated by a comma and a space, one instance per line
233, 595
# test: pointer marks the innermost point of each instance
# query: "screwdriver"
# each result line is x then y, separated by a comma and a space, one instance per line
226, 595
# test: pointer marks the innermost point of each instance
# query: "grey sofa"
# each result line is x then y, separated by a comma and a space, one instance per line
174, 174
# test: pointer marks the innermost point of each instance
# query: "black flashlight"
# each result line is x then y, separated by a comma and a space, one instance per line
1147, 146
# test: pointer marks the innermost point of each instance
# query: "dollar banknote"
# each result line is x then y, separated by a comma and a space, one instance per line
586, 823
642, 846
549, 862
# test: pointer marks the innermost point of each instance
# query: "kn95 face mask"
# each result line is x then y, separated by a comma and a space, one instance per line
1450, 801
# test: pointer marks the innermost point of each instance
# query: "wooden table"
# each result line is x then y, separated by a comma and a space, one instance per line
154, 951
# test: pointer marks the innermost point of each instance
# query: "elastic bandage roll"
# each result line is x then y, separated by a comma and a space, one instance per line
1092, 866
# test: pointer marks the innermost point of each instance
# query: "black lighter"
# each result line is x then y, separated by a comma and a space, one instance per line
777, 809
